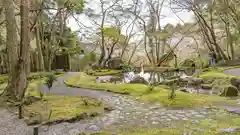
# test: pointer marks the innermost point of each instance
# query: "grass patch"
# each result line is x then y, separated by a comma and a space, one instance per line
159, 94
62, 107
216, 72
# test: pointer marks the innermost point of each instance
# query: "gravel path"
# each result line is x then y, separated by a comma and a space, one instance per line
11, 125
127, 113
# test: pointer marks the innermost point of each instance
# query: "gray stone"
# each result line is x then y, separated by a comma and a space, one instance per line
155, 122
74, 131
94, 128
198, 129
199, 116
185, 119
174, 118
229, 130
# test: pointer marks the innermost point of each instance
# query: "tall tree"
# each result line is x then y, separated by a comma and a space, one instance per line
18, 83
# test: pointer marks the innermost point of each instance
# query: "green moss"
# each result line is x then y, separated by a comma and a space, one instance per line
62, 107
159, 94
216, 72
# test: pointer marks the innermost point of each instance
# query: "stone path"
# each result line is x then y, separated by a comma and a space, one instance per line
233, 71
127, 113
11, 125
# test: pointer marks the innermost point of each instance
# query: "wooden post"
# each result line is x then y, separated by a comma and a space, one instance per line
35, 130
20, 111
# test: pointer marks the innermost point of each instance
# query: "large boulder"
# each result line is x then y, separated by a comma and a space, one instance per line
183, 82
235, 82
103, 79
225, 90
206, 86
171, 82
139, 79
209, 80
116, 79
193, 82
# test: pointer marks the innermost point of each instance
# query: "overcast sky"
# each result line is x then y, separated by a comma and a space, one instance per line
94, 4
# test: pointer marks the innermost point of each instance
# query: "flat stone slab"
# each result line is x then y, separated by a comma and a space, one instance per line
233, 110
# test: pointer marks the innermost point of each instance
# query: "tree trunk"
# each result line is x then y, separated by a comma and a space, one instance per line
21, 78
39, 49
12, 46
110, 53
18, 82
102, 55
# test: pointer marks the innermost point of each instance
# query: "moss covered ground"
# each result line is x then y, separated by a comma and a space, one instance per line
140, 91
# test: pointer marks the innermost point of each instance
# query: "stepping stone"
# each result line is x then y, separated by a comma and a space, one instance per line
93, 128
74, 131
155, 122
230, 130
199, 116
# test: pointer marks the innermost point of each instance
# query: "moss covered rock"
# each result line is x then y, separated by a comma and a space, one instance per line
139, 80
195, 82
206, 86
183, 82
225, 90
171, 82
235, 82
209, 80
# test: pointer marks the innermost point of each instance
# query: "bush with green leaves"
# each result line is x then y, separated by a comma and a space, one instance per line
50, 79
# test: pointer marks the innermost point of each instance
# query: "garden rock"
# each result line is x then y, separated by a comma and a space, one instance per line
206, 86
103, 79
225, 90
208, 80
116, 79
138, 79
195, 82
183, 82
183, 90
235, 82
170, 82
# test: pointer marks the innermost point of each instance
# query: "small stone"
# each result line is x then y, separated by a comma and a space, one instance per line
199, 116
180, 115
138, 113
198, 129
155, 122
163, 117
168, 119
229, 130
194, 113
94, 128
185, 119
195, 121
73, 131
174, 118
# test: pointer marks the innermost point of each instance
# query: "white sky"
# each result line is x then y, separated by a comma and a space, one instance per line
166, 11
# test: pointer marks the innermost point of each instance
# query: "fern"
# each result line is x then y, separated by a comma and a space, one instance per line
50, 79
